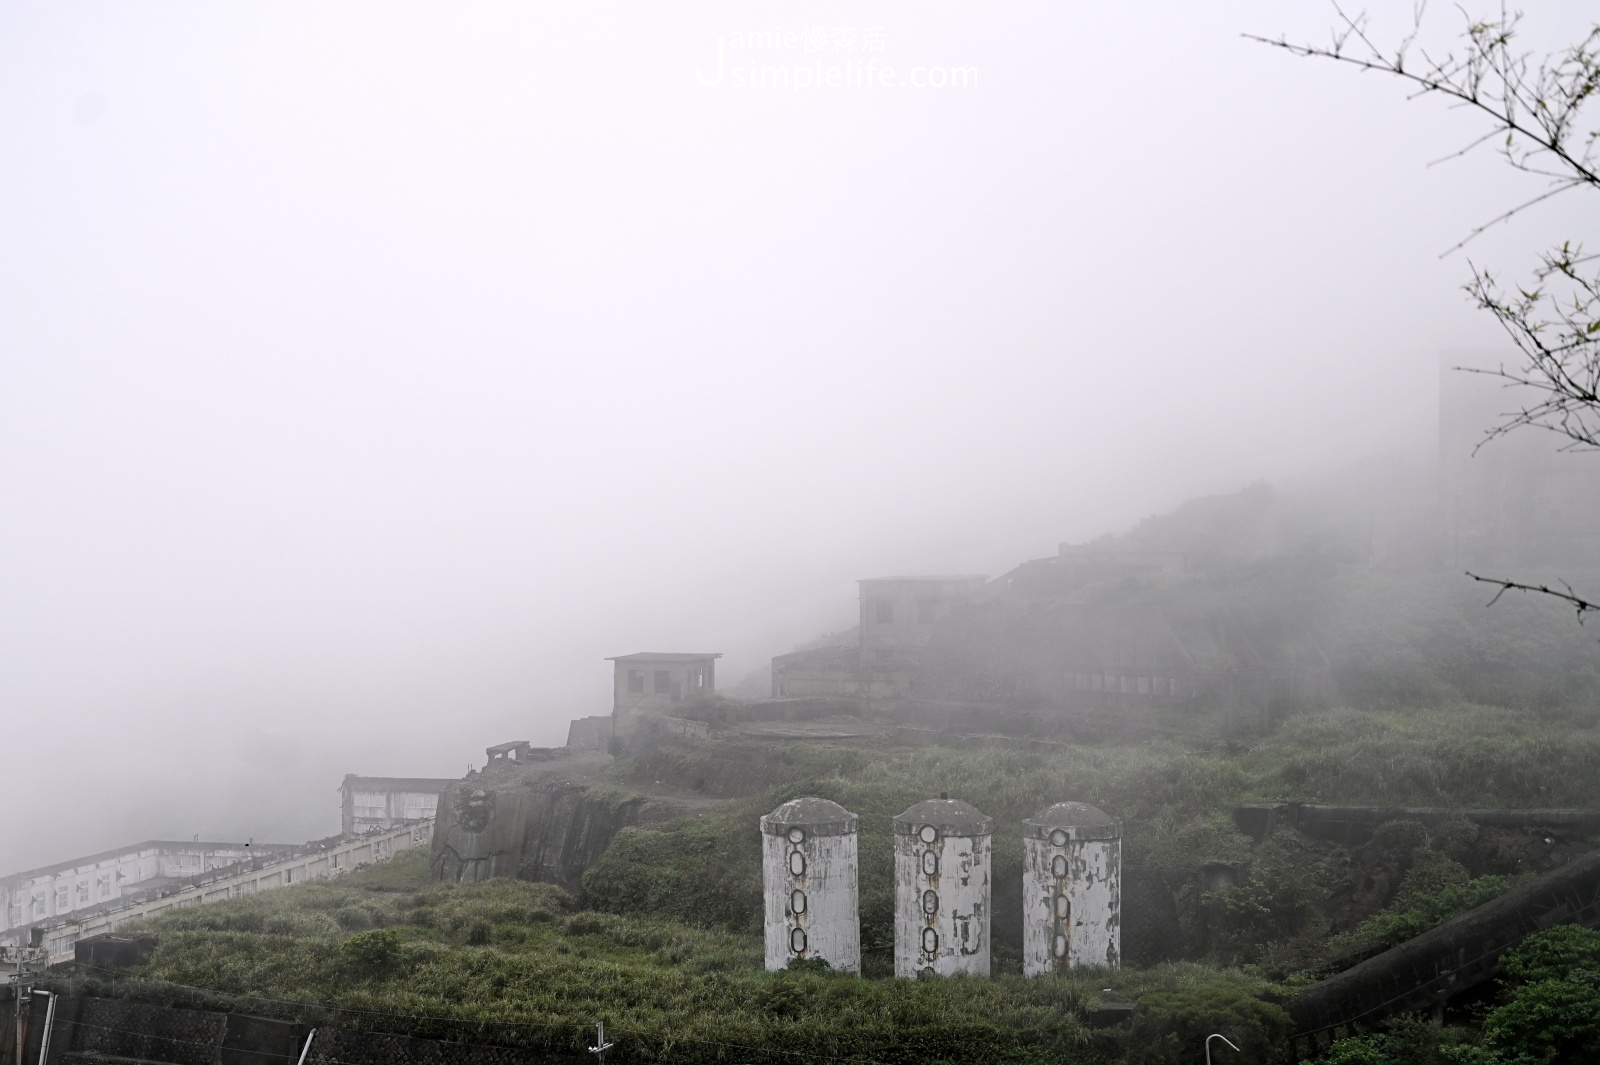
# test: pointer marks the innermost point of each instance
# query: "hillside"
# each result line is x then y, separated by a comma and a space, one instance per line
662, 939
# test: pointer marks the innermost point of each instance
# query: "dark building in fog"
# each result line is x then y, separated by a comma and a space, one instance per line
656, 682
899, 616
1094, 628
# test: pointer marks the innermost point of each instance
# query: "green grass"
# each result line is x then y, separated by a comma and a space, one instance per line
664, 942
513, 963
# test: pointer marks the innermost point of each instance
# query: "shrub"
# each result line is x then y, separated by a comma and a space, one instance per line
1171, 1026
1553, 954
1550, 1020
1424, 911
371, 953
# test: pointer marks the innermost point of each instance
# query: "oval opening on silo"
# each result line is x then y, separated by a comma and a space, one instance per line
797, 835
927, 833
1063, 907
1058, 865
797, 901
930, 902
797, 940
797, 864
1059, 946
930, 863
1059, 837
930, 941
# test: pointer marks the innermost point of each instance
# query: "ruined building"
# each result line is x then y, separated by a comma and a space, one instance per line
1094, 631
654, 682
378, 804
898, 619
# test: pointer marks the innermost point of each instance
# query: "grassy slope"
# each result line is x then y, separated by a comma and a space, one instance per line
672, 961
514, 962
1174, 801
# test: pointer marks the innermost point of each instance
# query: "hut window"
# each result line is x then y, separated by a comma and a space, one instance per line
1058, 865
797, 901
1060, 945
1059, 837
797, 940
927, 833
1063, 907
930, 902
930, 941
797, 835
797, 863
930, 863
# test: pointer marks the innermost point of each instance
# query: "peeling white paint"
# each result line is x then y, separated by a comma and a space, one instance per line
1071, 890
809, 879
942, 890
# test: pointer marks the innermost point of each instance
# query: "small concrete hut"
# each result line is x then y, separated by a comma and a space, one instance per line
941, 883
808, 872
1071, 889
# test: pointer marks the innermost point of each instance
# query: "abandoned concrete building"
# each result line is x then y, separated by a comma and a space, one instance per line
1091, 630
95, 882
378, 804
654, 682
898, 618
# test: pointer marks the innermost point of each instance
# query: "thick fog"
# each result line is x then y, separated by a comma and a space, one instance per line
370, 372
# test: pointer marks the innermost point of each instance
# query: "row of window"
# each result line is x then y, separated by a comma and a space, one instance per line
883, 611
663, 682
1117, 682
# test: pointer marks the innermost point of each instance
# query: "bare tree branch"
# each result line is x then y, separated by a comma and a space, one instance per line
1564, 593
1540, 118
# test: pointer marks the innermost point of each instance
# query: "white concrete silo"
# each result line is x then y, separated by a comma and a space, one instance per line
1071, 889
808, 871
941, 890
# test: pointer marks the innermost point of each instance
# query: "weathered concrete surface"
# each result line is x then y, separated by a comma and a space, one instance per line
1071, 889
812, 903
551, 831
1457, 955
942, 861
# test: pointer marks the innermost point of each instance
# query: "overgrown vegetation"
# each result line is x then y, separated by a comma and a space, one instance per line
663, 941
518, 963
1548, 1010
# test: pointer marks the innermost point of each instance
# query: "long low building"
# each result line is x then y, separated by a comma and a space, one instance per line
273, 867
99, 881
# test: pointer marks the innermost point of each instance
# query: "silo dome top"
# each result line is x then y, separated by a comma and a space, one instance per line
1071, 820
948, 816
812, 817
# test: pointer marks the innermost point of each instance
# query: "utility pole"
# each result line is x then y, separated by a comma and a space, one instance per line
22, 956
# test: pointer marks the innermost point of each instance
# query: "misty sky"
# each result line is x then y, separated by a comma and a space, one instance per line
370, 371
